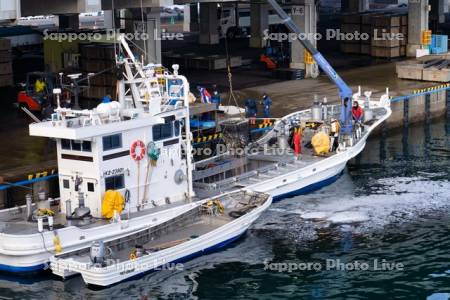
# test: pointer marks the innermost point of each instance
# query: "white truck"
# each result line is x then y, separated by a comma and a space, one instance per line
235, 21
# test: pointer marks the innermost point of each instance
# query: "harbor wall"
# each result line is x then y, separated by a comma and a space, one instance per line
422, 106
15, 196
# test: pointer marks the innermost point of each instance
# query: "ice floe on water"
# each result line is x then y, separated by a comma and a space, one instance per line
315, 215
386, 201
345, 217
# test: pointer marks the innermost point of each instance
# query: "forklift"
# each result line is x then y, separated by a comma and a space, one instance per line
276, 53
36, 91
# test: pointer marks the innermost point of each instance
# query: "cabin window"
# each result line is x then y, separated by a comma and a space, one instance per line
112, 142
90, 187
162, 131
87, 146
66, 183
116, 182
65, 144
76, 145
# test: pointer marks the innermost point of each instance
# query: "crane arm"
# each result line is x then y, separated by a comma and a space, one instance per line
344, 90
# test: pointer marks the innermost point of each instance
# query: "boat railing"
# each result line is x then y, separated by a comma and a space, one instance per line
218, 185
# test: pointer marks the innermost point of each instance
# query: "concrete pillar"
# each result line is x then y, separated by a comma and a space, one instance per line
109, 19
187, 18
150, 48
259, 22
154, 32
305, 16
192, 20
354, 6
71, 21
209, 33
418, 13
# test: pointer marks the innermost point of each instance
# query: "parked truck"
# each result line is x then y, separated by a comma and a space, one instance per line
234, 20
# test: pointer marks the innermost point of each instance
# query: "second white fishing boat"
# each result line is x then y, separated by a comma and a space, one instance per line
210, 225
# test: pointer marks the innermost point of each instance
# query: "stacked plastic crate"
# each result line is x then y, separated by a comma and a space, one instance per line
97, 58
439, 44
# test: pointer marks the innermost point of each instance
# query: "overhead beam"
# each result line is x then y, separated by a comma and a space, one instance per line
46, 7
123, 4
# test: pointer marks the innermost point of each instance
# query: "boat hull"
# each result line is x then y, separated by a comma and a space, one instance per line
311, 178
31, 252
211, 241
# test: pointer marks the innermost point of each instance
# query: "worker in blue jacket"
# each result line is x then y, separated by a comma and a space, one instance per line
266, 103
215, 96
251, 110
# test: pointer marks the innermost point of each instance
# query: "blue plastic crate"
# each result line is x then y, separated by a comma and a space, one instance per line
439, 44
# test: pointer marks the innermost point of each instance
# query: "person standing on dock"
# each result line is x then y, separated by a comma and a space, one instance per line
267, 103
215, 96
251, 110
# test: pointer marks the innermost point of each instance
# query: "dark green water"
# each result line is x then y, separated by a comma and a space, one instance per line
392, 204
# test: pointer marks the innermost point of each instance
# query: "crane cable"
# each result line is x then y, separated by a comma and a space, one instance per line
114, 28
231, 96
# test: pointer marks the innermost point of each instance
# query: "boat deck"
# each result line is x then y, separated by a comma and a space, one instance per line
17, 224
226, 173
178, 235
197, 222
257, 167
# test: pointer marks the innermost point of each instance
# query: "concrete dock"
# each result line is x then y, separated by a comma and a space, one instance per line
289, 96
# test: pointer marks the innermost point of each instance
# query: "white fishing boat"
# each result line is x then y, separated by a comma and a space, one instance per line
122, 169
128, 165
270, 164
209, 225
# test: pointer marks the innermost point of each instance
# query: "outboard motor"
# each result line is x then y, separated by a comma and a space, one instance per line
98, 253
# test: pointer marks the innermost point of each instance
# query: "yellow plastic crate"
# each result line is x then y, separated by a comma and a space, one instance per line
426, 37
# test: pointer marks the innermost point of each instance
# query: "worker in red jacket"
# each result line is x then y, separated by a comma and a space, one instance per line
297, 140
357, 112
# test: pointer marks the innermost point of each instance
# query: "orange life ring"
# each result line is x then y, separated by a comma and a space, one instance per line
137, 150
